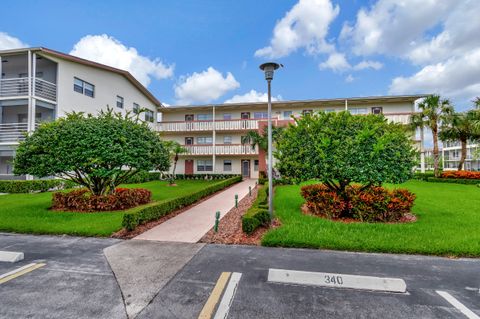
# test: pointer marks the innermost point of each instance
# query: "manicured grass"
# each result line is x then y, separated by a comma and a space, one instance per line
448, 224
29, 213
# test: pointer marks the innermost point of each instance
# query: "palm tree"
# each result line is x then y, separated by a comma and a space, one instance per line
254, 138
476, 102
463, 127
175, 149
432, 111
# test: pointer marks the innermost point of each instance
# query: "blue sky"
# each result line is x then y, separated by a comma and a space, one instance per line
196, 52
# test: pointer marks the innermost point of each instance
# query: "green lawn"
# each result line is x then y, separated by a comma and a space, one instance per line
448, 224
29, 213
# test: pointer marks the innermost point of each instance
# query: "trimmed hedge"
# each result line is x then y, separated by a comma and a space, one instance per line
461, 175
154, 211
454, 181
143, 177
39, 185
257, 215
423, 176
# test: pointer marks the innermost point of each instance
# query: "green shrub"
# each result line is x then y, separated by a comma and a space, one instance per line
258, 214
143, 177
423, 176
254, 218
154, 211
40, 185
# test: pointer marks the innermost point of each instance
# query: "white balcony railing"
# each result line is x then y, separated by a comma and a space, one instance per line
12, 132
222, 125
402, 118
222, 149
19, 87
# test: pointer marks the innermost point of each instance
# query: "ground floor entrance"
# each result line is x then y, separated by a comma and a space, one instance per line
246, 168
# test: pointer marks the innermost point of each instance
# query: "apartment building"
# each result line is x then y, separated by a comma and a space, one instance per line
39, 84
452, 151
212, 134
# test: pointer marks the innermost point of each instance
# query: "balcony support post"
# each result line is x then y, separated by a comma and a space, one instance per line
30, 102
1, 77
214, 140
34, 106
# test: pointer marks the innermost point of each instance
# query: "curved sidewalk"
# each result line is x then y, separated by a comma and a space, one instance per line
191, 225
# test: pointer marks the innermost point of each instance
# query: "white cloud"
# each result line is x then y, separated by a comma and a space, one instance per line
304, 26
252, 96
8, 42
108, 50
336, 62
455, 77
367, 64
394, 27
204, 87
349, 78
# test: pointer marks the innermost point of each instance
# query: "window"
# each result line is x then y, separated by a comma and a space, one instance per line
149, 116
377, 110
188, 140
227, 140
206, 140
119, 102
189, 117
255, 165
83, 87
287, 115
136, 108
245, 115
227, 116
307, 112
260, 115
204, 117
204, 165
227, 165
358, 110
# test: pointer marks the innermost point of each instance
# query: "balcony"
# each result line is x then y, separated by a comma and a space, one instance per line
402, 118
18, 87
12, 132
201, 126
221, 149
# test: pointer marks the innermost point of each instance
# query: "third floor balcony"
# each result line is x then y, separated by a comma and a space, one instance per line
222, 149
18, 87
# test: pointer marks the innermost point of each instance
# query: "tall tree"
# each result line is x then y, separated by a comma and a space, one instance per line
432, 111
463, 127
175, 149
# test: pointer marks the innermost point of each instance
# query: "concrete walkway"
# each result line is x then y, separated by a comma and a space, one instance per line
191, 225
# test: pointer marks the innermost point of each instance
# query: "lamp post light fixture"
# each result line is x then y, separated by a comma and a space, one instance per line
269, 69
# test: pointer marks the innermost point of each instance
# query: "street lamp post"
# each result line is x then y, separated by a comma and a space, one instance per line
269, 68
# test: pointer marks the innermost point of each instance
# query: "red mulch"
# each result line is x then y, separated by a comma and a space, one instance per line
230, 226
407, 218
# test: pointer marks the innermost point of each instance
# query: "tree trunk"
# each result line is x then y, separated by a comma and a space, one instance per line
172, 180
464, 154
435, 151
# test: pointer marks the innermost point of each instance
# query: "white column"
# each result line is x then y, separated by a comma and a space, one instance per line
422, 151
346, 105
34, 102
1, 111
29, 79
214, 138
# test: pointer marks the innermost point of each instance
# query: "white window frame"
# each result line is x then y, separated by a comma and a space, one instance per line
120, 102
228, 163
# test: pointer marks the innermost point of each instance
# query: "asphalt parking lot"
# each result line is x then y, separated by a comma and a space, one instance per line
77, 282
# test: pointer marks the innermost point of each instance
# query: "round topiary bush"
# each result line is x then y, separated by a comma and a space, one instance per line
83, 200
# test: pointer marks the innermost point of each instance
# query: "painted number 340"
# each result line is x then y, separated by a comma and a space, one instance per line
336, 280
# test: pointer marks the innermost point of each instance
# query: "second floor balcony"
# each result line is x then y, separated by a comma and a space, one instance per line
221, 149
18, 87
242, 124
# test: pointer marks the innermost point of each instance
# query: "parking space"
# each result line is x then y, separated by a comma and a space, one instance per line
70, 279
187, 294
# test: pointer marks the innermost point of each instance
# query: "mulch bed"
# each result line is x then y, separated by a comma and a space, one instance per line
407, 218
230, 226
125, 234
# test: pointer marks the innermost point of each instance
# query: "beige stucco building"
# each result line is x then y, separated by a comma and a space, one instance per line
39, 84
213, 133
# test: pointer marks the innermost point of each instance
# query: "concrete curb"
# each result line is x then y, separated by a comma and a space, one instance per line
11, 256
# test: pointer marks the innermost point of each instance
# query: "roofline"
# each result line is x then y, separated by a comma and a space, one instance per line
408, 98
75, 59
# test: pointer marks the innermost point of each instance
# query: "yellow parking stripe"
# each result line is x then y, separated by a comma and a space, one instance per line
212, 301
19, 272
